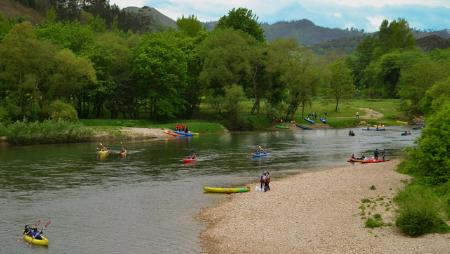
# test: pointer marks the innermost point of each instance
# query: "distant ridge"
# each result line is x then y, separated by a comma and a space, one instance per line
158, 20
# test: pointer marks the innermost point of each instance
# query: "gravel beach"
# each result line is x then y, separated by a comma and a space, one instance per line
316, 212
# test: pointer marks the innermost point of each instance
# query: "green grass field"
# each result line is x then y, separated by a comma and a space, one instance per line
207, 121
193, 125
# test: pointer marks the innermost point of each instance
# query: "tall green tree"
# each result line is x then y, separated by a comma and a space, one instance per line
341, 84
227, 60
242, 19
160, 67
190, 26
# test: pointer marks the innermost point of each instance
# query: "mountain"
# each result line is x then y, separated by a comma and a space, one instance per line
433, 41
12, 10
306, 32
156, 18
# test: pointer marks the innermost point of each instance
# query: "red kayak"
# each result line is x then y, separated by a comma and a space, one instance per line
373, 161
171, 133
189, 160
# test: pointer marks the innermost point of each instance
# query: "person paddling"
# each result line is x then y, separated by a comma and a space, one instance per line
103, 148
260, 149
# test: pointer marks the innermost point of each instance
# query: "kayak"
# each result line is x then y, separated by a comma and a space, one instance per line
187, 134
406, 134
29, 239
323, 120
103, 153
365, 129
303, 127
171, 133
259, 155
189, 160
225, 190
280, 126
373, 161
355, 160
309, 120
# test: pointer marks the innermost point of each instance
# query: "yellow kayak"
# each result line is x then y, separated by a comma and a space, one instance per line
102, 153
29, 239
225, 190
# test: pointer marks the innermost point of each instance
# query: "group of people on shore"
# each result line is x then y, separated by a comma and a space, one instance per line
182, 127
264, 181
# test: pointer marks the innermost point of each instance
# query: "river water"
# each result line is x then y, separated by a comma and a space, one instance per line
146, 202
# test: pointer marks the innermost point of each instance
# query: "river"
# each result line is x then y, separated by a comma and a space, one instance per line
146, 202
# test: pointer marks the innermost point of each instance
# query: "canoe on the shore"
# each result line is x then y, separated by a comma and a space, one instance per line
225, 190
309, 120
187, 134
171, 133
281, 126
373, 161
323, 120
303, 127
31, 240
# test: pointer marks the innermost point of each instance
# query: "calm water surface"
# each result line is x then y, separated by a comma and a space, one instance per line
146, 203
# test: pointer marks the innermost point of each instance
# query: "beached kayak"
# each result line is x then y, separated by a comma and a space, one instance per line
225, 190
260, 154
355, 160
281, 126
189, 160
309, 120
323, 120
373, 161
29, 239
187, 134
303, 127
171, 133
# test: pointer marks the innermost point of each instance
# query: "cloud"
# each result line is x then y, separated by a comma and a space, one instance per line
375, 22
365, 14
128, 3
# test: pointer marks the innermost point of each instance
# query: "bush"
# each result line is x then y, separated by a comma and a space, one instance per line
430, 161
374, 222
419, 211
47, 132
59, 110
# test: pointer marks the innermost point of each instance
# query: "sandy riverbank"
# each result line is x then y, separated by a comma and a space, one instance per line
315, 212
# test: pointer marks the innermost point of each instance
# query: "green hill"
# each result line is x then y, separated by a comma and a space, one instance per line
156, 19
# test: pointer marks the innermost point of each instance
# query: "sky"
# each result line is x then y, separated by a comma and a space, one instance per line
361, 14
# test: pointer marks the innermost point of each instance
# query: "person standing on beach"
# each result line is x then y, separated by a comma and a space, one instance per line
376, 153
262, 181
266, 183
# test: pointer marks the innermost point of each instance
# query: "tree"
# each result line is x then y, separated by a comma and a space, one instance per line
159, 67
226, 60
302, 78
244, 20
25, 65
190, 26
436, 96
341, 84
415, 81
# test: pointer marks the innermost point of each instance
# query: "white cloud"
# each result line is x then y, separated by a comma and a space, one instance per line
374, 22
337, 15
382, 3
128, 3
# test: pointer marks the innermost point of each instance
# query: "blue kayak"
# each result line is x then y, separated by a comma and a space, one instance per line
259, 155
309, 120
187, 134
323, 120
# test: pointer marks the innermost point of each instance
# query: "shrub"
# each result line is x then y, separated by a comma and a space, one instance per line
419, 211
374, 222
430, 160
47, 132
59, 110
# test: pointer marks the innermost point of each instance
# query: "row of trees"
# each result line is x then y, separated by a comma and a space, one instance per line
103, 72
162, 74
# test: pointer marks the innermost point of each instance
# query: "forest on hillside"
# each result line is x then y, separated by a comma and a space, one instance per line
87, 61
